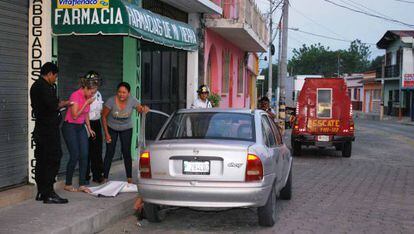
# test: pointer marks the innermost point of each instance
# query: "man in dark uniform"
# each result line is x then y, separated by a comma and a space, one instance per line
46, 134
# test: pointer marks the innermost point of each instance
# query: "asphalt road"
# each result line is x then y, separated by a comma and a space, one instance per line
371, 192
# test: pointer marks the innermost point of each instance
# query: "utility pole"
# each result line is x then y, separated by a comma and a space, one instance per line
283, 62
269, 92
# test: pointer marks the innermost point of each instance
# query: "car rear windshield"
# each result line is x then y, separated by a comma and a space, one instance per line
210, 125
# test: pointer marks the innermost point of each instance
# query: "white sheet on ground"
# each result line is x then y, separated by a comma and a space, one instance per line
113, 188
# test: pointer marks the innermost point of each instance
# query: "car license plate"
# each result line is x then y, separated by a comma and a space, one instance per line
323, 138
196, 167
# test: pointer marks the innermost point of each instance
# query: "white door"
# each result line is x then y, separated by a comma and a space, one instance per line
367, 100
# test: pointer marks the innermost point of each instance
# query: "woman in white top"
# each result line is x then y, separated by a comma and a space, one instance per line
95, 163
202, 101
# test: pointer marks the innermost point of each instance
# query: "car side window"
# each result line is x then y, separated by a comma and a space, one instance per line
268, 133
277, 134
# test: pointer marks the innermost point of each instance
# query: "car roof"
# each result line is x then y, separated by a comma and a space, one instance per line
221, 110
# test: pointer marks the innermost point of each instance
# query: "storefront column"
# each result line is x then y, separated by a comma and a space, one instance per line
192, 63
132, 74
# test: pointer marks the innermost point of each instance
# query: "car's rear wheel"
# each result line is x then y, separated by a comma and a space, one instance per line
152, 212
347, 150
267, 213
297, 148
286, 192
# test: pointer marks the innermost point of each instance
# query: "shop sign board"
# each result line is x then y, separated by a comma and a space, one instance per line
408, 81
120, 17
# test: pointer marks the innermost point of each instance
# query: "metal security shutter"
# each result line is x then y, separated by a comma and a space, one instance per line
79, 54
13, 92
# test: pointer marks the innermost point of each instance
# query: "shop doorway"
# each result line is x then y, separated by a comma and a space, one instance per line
163, 83
79, 54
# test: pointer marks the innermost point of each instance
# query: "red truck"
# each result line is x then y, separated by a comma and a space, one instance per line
323, 116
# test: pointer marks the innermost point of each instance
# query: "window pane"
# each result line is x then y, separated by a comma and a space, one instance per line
324, 103
232, 126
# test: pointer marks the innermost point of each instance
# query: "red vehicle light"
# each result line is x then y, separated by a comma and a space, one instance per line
254, 168
145, 165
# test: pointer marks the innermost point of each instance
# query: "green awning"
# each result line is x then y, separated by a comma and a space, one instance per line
118, 17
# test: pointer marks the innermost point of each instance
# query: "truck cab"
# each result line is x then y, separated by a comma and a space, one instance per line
323, 116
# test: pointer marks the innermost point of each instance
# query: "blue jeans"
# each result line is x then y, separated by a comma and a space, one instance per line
76, 139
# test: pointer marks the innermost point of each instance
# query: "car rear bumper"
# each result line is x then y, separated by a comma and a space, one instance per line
204, 194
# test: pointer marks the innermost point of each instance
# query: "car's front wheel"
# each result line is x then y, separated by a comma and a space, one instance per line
152, 212
267, 213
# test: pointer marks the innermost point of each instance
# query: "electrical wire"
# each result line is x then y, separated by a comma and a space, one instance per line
326, 37
315, 22
405, 1
370, 14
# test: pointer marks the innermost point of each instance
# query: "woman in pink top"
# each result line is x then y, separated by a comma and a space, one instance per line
75, 133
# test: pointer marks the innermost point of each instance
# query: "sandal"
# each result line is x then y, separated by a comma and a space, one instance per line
84, 189
70, 188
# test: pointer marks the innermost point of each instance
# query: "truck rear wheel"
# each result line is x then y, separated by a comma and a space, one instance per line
347, 149
297, 148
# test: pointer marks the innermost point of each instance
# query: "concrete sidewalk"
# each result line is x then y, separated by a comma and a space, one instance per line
387, 118
83, 214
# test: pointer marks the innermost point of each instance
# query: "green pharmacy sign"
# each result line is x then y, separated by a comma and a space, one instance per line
118, 17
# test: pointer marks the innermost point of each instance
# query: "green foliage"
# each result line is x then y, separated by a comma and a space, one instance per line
318, 59
214, 99
265, 82
376, 63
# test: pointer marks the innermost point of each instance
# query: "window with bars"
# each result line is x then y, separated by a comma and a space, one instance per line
226, 72
240, 77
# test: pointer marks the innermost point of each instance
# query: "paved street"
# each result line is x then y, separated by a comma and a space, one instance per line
372, 192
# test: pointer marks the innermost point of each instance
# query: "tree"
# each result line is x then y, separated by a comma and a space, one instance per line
376, 63
265, 82
317, 59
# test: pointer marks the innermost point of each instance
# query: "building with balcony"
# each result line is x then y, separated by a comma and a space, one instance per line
397, 73
228, 39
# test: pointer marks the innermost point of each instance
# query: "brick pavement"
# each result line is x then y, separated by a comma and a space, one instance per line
372, 192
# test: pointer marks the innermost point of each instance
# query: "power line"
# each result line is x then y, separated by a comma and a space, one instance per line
364, 8
370, 14
315, 22
404, 1
326, 37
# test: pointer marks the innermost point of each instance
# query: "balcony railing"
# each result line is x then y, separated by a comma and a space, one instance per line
389, 71
244, 11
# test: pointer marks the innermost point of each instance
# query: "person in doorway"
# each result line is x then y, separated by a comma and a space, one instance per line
95, 162
117, 121
264, 104
202, 99
75, 133
48, 152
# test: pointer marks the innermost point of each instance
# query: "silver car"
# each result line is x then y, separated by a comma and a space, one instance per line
216, 158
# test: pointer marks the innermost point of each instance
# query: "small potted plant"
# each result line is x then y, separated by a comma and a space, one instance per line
214, 99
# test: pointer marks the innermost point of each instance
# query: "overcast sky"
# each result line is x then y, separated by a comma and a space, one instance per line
321, 17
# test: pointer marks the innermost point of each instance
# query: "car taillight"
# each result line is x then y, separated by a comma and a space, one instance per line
145, 165
350, 111
254, 168
296, 125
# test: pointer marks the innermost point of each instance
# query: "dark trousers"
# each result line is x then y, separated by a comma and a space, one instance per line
125, 137
48, 154
95, 162
76, 140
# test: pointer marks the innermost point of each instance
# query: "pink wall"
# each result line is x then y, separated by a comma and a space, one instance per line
215, 45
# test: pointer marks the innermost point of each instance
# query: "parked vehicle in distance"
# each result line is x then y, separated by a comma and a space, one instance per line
216, 158
323, 116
